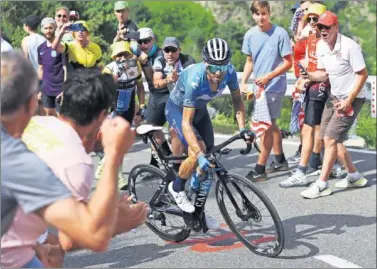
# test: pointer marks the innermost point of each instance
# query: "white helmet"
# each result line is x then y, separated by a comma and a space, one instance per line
216, 51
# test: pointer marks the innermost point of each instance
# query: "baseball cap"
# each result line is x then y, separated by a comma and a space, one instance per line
146, 33
48, 21
315, 9
119, 5
74, 14
171, 42
328, 18
118, 47
32, 21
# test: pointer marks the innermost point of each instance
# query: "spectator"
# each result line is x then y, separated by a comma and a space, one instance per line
61, 18
82, 53
84, 107
74, 16
125, 25
52, 68
316, 96
31, 42
268, 53
340, 60
157, 97
166, 73
126, 70
84, 225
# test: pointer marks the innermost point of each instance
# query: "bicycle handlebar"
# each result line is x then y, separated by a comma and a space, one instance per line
250, 137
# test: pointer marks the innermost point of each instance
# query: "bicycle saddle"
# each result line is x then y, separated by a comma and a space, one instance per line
147, 128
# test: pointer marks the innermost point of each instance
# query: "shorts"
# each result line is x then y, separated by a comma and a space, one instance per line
126, 106
318, 91
202, 124
337, 128
313, 112
49, 101
156, 108
275, 104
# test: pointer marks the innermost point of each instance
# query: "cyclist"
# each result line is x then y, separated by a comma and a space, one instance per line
187, 114
126, 70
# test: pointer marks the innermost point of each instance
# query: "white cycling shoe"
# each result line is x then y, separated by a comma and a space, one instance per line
181, 199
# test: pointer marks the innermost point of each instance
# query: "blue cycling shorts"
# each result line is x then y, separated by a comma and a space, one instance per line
202, 124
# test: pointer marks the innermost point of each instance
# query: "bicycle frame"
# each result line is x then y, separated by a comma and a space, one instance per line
196, 220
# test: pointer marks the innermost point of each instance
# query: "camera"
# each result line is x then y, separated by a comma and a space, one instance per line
76, 27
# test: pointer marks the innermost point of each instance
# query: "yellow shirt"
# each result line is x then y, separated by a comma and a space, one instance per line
83, 57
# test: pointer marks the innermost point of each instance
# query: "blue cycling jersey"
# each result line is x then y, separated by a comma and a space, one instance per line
193, 89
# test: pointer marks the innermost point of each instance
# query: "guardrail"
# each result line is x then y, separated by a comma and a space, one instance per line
291, 80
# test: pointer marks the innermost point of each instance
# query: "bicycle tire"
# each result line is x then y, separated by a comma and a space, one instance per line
159, 175
240, 180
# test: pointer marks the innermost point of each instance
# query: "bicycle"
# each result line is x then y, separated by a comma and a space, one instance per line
231, 190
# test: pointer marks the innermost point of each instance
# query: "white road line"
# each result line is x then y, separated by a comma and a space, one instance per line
336, 262
368, 173
296, 143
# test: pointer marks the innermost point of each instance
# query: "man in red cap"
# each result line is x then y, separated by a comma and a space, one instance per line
340, 60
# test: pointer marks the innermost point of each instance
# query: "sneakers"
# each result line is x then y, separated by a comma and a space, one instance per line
181, 199
122, 181
338, 171
315, 191
295, 159
211, 223
255, 177
313, 171
297, 179
348, 183
275, 167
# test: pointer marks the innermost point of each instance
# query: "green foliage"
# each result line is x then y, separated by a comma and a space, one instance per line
366, 126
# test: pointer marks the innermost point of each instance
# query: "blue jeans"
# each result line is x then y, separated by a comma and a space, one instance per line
34, 263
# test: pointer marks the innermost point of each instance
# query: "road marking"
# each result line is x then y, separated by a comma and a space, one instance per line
371, 172
336, 262
296, 143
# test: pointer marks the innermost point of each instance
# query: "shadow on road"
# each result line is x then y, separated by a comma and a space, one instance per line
321, 224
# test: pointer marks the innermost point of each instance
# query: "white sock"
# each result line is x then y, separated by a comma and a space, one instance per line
354, 176
321, 184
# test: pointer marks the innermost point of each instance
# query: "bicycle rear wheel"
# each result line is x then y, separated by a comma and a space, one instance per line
166, 219
255, 209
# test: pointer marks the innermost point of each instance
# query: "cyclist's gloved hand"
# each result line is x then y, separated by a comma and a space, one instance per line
247, 135
204, 164
142, 112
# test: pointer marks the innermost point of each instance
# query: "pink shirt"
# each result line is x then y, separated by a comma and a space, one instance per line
60, 147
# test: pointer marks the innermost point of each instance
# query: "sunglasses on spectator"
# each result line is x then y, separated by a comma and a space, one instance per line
321, 26
311, 19
120, 10
124, 54
214, 68
170, 49
61, 15
144, 41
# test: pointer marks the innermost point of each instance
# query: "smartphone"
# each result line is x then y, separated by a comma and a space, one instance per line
76, 27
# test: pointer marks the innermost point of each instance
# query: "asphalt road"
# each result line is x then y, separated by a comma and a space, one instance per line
333, 231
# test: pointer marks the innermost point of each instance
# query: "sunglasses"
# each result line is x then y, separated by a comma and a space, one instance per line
214, 68
312, 19
61, 15
120, 10
144, 41
170, 49
124, 54
321, 27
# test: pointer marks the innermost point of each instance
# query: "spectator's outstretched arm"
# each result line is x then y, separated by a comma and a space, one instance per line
57, 45
92, 225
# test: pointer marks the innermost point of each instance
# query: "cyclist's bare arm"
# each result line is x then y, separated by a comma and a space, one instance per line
239, 108
188, 131
56, 44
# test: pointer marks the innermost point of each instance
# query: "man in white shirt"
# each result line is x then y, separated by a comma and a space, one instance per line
340, 59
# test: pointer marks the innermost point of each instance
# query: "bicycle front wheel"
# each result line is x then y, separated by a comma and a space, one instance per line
250, 215
166, 218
